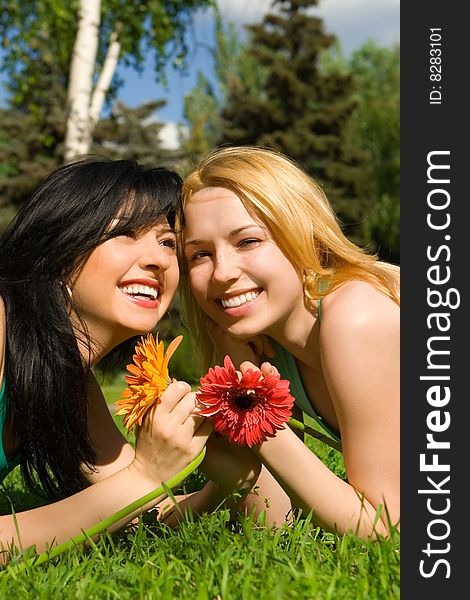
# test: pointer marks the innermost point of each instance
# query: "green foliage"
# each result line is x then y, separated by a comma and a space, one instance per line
132, 133
375, 128
35, 146
38, 38
211, 557
30, 151
202, 114
152, 27
234, 68
182, 362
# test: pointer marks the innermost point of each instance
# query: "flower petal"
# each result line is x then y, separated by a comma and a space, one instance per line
148, 379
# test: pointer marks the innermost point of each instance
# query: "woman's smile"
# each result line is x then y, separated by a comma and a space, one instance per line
143, 292
237, 304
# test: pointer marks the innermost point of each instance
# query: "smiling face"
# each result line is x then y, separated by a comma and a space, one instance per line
127, 284
238, 274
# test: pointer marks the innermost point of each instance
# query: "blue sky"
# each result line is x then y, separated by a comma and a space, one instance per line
352, 21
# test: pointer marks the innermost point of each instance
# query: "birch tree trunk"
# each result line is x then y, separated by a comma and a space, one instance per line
78, 134
84, 102
105, 78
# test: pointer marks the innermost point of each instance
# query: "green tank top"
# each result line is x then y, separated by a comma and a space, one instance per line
5, 465
287, 367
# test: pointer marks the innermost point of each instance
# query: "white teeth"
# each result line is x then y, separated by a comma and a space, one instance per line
239, 300
140, 290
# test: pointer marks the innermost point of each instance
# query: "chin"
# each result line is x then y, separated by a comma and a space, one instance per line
243, 333
141, 328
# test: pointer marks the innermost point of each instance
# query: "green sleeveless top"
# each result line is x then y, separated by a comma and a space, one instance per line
287, 367
5, 465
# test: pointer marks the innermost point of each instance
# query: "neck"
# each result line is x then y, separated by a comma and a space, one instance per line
98, 342
298, 334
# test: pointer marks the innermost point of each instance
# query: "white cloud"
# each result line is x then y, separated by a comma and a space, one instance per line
169, 136
244, 11
352, 21
355, 21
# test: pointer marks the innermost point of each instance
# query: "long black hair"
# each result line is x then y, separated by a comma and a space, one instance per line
47, 243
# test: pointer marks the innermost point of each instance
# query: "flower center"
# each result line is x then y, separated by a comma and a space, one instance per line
244, 400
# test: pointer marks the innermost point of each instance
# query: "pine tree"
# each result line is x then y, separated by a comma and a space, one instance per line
32, 130
234, 68
302, 109
133, 133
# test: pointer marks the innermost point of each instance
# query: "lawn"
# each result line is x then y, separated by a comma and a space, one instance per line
210, 558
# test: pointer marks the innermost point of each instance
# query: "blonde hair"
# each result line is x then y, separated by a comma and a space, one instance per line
299, 216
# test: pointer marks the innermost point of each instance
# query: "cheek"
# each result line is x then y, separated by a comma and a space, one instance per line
199, 283
280, 274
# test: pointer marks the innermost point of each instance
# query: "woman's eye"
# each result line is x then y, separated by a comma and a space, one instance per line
169, 243
198, 255
248, 242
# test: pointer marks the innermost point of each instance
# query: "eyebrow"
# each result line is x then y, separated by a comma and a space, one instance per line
231, 234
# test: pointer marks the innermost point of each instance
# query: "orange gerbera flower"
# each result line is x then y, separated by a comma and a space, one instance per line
148, 379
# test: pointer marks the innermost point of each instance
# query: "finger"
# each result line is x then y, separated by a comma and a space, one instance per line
195, 422
172, 396
185, 408
268, 369
248, 365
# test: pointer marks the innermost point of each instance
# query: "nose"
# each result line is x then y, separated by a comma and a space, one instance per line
226, 267
154, 256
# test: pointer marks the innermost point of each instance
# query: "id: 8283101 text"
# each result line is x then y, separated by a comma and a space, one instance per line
435, 65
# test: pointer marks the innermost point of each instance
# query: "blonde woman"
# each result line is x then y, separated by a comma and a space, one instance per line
266, 270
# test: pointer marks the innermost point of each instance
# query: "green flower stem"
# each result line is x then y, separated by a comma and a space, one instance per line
314, 433
106, 523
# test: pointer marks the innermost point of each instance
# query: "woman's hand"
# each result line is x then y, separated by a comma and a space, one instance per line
229, 466
171, 435
239, 350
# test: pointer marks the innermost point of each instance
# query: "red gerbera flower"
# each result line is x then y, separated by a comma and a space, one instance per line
246, 408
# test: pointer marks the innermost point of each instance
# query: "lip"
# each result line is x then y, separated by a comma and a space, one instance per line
153, 283
234, 293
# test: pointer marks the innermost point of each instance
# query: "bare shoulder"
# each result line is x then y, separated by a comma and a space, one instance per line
358, 307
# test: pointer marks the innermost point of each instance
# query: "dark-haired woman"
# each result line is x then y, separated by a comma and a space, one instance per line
88, 262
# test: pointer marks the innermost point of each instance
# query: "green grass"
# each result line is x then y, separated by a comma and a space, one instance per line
210, 558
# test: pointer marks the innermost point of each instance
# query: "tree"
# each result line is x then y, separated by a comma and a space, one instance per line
133, 133
87, 50
31, 134
375, 128
203, 105
301, 109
